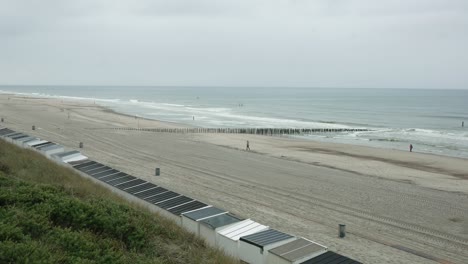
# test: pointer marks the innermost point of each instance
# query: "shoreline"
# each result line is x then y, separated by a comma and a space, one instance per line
170, 124
301, 187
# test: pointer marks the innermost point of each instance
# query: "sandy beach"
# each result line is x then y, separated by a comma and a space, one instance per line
398, 207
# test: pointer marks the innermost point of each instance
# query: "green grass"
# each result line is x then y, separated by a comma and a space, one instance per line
50, 214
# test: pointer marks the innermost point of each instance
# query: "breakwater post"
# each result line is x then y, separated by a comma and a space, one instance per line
33, 127
157, 172
80, 144
252, 131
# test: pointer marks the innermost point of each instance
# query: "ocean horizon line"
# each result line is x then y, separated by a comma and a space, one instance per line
230, 86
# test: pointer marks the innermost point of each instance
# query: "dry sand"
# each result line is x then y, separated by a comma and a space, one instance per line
398, 207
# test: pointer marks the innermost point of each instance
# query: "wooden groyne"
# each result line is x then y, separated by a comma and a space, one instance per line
253, 131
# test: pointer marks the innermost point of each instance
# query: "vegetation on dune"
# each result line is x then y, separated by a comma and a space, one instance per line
49, 214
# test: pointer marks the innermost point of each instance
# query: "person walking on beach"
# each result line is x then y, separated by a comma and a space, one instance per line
248, 146
410, 147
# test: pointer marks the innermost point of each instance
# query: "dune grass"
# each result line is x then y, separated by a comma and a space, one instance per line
50, 214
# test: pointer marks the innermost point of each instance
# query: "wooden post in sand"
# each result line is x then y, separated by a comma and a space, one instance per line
33, 127
342, 230
157, 172
2, 119
80, 145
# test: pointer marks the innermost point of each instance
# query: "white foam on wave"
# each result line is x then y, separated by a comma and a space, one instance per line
216, 116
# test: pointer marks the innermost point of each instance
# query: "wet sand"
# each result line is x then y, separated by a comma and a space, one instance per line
398, 207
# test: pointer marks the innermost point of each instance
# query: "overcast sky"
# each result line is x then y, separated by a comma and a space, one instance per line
313, 43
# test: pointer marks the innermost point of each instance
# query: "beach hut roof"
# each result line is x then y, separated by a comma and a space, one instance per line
5, 131
44, 145
298, 249
76, 158
49, 147
220, 220
20, 136
68, 153
188, 207
25, 139
12, 134
265, 238
243, 228
330, 257
38, 141
204, 213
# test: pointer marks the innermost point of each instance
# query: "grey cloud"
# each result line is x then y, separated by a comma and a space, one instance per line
352, 43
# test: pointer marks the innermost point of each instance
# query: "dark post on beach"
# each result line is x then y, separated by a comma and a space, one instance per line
2, 119
157, 172
81, 145
33, 127
341, 230
463, 123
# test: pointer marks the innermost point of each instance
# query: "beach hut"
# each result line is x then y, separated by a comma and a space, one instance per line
8, 137
5, 131
37, 147
175, 206
210, 226
178, 210
18, 137
190, 221
50, 150
255, 247
79, 157
295, 252
24, 143
20, 141
228, 238
33, 143
69, 156
9, 133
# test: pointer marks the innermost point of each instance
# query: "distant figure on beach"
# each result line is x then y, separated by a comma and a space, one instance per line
248, 146
410, 147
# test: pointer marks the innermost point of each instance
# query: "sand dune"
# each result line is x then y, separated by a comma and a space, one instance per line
399, 207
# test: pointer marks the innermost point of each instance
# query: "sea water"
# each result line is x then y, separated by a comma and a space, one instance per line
430, 120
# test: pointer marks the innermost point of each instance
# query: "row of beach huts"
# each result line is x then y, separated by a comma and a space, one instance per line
244, 239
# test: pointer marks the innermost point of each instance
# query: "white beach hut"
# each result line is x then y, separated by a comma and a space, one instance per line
66, 156
228, 238
35, 142
76, 158
190, 221
255, 247
24, 143
210, 226
295, 252
51, 149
